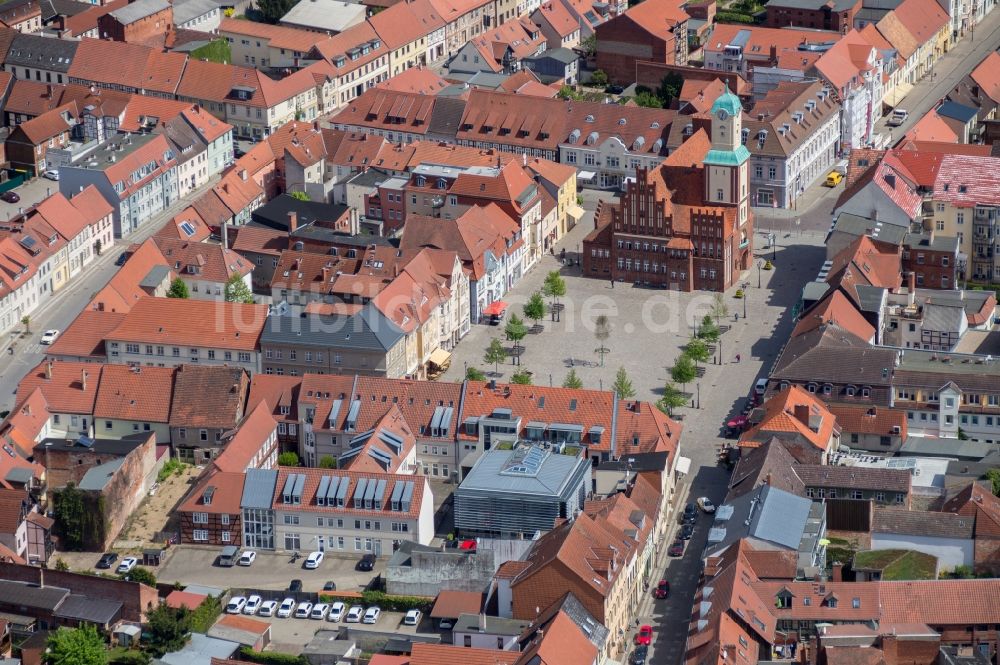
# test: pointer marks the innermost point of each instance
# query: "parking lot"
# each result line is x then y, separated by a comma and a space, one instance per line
31, 193
291, 635
190, 564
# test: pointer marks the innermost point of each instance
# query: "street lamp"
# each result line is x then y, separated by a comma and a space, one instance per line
698, 386
760, 262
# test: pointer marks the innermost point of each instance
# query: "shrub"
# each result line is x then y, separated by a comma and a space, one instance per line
170, 468
271, 657
739, 293
768, 265
288, 459
141, 575
385, 601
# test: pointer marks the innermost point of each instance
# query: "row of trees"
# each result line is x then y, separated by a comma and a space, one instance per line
236, 290
685, 368
516, 330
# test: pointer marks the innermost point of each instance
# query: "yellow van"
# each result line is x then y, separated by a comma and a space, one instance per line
833, 178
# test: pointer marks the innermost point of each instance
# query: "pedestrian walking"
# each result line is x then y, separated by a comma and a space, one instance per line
737, 358
612, 282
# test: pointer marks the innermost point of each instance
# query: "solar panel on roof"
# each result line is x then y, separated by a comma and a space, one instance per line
300, 483
324, 485
359, 492
85, 441
331, 491
404, 501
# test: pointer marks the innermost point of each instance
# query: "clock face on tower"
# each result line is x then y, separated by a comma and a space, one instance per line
721, 114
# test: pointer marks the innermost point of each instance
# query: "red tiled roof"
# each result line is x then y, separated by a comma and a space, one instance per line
845, 60
226, 496
968, 181
822, 606
251, 437
212, 263
122, 291
451, 604
277, 391
986, 75
277, 36
932, 128
244, 623
193, 323
922, 18
398, 25
363, 460
478, 230
558, 17
140, 394
85, 335
940, 602
448, 654
657, 17
130, 65
214, 82
65, 392
208, 396
780, 416
978, 501
562, 643
178, 599
260, 240
50, 124
172, 228
838, 309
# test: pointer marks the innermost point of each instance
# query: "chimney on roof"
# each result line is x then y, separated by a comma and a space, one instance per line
243, 175
293, 221
48, 91
912, 287
48, 370
326, 274
802, 414
83, 380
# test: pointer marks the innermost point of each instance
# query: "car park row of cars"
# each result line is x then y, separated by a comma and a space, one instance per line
332, 612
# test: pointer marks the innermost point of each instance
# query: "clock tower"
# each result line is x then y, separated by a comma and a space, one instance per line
726, 162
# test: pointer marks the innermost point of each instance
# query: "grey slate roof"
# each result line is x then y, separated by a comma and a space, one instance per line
930, 369
943, 318
41, 52
469, 623
563, 55
554, 473
258, 488
857, 226
936, 243
192, 9
926, 446
831, 354
97, 446
903, 522
367, 330
771, 463
86, 608
956, 111
274, 213
870, 297
52, 8
200, 651
767, 514
835, 5
446, 116
139, 10
155, 276
853, 477
98, 477
31, 596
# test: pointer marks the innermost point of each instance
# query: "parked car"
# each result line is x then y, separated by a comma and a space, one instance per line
367, 563
677, 548
127, 564
706, 504
236, 605
412, 618
107, 560
267, 608
313, 561
303, 610
122, 258
336, 612
247, 558
372, 614
614, 89
645, 636
49, 336
640, 655
662, 589
51, 174
897, 117
686, 532
759, 389
295, 586
10, 197
330, 586
286, 608
354, 614
319, 611
833, 179
253, 605
690, 515
446, 624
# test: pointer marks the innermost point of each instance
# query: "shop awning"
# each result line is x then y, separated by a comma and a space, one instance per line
586, 175
576, 212
495, 308
683, 465
440, 357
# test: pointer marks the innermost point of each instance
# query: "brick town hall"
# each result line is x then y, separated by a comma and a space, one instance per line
685, 224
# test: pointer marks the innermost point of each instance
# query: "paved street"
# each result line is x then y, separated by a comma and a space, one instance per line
59, 311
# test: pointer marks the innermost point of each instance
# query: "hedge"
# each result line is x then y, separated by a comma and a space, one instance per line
384, 601
271, 657
734, 17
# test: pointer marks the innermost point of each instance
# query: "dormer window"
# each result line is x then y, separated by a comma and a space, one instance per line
744, 135
783, 600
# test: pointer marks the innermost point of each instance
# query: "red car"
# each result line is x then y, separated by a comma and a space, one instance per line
677, 549
644, 636
662, 589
